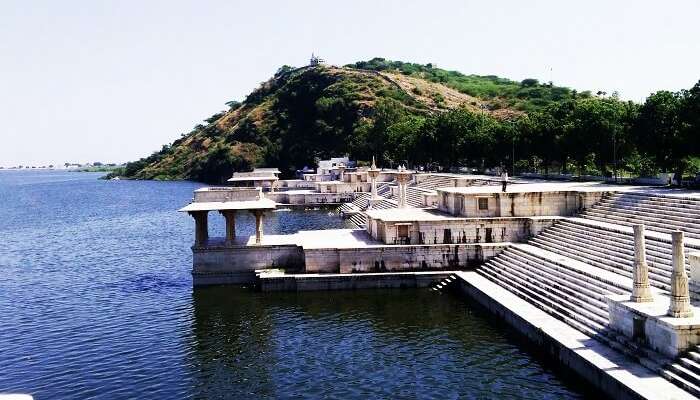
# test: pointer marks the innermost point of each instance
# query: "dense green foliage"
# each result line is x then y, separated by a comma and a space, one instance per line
304, 114
591, 135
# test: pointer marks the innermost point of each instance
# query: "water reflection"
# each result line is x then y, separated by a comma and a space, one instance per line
363, 344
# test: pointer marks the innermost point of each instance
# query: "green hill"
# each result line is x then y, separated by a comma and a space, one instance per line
303, 114
422, 115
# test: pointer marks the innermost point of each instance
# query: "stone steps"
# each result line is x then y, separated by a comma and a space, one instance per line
565, 248
585, 286
693, 202
413, 198
548, 307
623, 247
659, 222
609, 250
657, 251
444, 284
568, 293
559, 239
659, 213
683, 377
436, 182
678, 212
625, 219
359, 220
607, 281
569, 268
573, 295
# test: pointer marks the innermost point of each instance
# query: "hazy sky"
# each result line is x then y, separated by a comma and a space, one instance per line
112, 81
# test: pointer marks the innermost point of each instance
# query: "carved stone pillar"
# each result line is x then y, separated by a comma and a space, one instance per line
402, 178
201, 227
258, 226
641, 290
372, 174
680, 297
230, 216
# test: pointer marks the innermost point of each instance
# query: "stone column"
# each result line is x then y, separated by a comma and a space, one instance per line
402, 178
372, 174
641, 290
230, 216
341, 170
258, 226
402, 195
680, 297
201, 227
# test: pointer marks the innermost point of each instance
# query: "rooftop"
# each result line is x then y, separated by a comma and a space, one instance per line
253, 178
542, 187
261, 204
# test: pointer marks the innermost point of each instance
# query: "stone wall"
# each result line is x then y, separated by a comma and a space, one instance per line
313, 282
399, 258
295, 184
523, 204
217, 194
468, 230
237, 264
311, 199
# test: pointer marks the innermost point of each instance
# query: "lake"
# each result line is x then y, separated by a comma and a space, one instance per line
96, 301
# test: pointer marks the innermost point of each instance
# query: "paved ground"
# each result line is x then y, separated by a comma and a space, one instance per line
321, 239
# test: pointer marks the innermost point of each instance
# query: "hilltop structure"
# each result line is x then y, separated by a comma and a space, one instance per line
315, 60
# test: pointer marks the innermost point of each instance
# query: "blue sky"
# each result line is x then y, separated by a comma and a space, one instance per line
112, 81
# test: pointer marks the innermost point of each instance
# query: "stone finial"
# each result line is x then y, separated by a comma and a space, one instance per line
374, 165
680, 297
641, 290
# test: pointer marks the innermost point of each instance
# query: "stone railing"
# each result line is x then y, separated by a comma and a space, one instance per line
211, 194
254, 174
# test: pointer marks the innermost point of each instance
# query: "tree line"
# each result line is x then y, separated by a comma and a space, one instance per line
596, 135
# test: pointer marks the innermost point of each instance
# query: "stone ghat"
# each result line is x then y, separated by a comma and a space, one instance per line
276, 281
327, 251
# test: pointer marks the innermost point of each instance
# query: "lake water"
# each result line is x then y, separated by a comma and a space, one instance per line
96, 301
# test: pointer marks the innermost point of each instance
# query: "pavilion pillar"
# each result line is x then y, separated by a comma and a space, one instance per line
372, 174
680, 296
641, 290
201, 227
230, 216
258, 226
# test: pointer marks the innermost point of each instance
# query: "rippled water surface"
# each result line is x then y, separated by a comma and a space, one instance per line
96, 302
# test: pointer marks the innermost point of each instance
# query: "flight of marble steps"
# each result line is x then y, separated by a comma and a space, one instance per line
612, 250
435, 182
659, 213
574, 292
568, 268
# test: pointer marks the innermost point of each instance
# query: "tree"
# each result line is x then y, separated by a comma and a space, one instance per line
660, 133
402, 141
